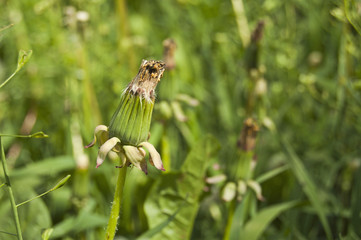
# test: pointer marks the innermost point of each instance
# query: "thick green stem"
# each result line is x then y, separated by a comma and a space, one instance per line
166, 157
10, 191
114, 213
231, 211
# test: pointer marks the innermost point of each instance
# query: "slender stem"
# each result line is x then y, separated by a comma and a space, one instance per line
58, 185
34, 135
10, 191
29, 200
12, 234
114, 213
6, 27
15, 135
7, 80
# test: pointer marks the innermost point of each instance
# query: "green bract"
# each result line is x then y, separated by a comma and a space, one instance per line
131, 121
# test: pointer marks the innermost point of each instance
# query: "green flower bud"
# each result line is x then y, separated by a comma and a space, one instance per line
131, 121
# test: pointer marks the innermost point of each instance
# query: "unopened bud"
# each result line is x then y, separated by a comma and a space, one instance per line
168, 55
247, 140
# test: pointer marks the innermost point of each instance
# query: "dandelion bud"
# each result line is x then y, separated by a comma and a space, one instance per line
247, 140
169, 50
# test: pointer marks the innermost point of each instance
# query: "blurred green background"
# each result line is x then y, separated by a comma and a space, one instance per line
298, 76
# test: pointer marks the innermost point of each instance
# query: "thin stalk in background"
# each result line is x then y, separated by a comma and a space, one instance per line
173, 118
242, 22
11, 195
243, 172
242, 175
114, 213
125, 46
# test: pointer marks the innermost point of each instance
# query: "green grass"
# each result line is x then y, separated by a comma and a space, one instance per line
308, 147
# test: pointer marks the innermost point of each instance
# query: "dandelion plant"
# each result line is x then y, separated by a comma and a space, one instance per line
128, 132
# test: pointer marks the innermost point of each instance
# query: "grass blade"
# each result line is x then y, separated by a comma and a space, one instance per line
256, 226
356, 204
272, 173
352, 15
309, 187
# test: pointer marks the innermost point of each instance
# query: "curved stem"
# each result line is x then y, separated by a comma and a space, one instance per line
11, 195
114, 213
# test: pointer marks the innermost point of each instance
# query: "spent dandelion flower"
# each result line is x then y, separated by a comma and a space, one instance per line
243, 181
127, 135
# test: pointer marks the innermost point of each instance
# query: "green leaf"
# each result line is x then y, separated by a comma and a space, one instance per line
180, 189
152, 232
239, 218
352, 14
46, 167
47, 233
256, 226
39, 135
24, 57
86, 219
309, 187
61, 183
272, 173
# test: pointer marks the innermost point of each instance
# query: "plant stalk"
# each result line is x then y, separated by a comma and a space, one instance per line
11, 195
114, 213
231, 212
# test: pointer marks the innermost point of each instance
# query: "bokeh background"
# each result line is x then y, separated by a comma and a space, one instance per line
293, 67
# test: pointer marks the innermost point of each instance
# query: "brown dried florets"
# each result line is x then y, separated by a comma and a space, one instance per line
149, 75
247, 140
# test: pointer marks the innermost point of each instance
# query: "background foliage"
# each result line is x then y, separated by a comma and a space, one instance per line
84, 54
